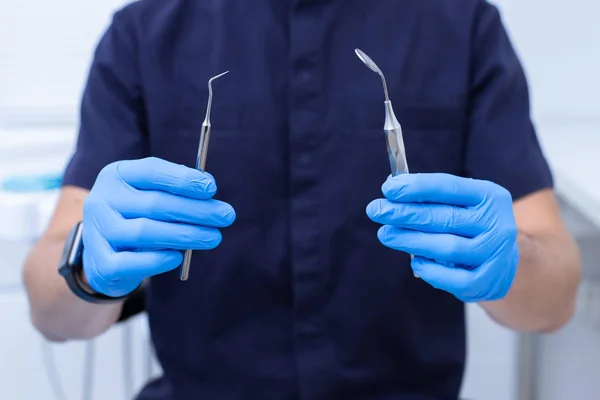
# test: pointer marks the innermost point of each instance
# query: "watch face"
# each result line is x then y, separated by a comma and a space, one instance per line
75, 253
71, 249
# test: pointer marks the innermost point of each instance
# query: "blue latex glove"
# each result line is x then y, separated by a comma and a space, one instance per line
462, 232
140, 215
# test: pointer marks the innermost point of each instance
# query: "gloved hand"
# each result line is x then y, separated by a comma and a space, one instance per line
139, 216
462, 232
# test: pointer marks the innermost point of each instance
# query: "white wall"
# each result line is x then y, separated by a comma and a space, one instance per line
44, 55
559, 43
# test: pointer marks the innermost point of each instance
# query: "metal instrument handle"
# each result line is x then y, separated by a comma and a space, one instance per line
395, 145
201, 166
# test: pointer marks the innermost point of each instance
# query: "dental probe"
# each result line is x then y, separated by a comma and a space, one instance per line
200, 165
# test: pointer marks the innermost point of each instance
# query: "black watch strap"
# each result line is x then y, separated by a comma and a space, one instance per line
71, 268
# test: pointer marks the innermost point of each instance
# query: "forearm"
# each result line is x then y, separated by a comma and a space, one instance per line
55, 311
542, 296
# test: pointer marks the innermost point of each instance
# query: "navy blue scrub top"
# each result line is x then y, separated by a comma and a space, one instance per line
301, 301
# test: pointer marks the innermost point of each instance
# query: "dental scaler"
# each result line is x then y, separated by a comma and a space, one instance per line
200, 165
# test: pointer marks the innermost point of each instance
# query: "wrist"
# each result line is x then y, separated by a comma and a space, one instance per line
72, 270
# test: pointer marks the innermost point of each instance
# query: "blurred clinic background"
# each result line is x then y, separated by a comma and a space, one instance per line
45, 51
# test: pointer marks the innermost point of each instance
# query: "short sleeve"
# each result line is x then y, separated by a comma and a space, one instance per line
112, 113
502, 145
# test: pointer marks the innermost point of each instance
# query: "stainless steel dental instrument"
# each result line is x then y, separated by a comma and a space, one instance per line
393, 130
200, 165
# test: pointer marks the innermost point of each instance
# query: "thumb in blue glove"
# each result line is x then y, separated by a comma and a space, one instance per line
462, 232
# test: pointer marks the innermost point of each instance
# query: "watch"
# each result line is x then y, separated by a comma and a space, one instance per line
71, 268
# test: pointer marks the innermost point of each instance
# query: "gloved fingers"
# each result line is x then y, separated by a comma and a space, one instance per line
99, 267
502, 269
433, 218
157, 174
98, 282
119, 273
149, 234
210, 175
466, 285
144, 263
91, 236
436, 246
162, 206
435, 188
457, 281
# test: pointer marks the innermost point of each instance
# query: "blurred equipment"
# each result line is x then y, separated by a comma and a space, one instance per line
22, 199
200, 165
31, 164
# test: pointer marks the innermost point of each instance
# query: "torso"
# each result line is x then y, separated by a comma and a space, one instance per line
301, 301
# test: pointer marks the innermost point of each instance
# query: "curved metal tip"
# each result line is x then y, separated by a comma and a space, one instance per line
373, 67
210, 81
215, 77
367, 61
210, 94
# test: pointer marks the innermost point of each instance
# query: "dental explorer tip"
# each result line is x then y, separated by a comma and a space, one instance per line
210, 81
217, 76
210, 94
